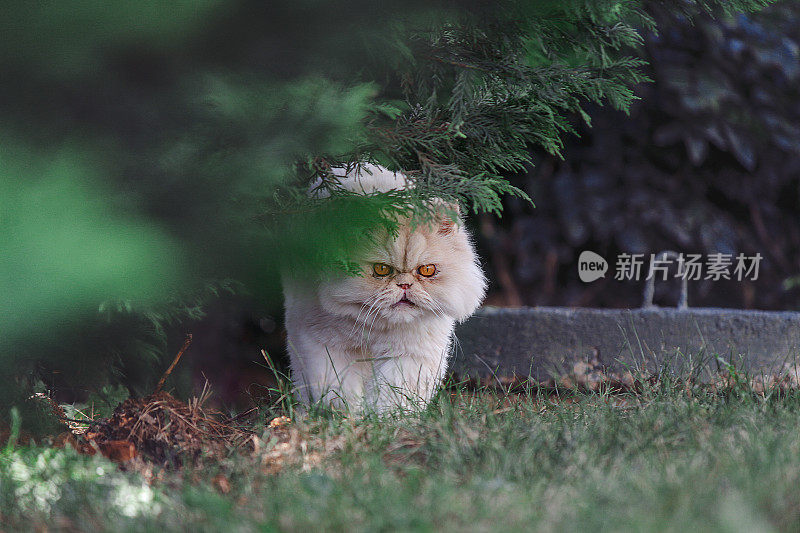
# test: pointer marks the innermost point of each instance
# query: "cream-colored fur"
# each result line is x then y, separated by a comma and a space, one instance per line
353, 344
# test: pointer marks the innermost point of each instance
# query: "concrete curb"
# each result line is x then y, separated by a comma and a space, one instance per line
545, 342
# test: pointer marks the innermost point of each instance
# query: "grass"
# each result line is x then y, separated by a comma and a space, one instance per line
666, 459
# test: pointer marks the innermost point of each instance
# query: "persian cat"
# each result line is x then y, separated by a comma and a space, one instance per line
381, 339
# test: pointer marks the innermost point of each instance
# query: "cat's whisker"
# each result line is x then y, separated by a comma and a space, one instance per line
433, 306
366, 320
372, 297
381, 300
355, 321
377, 310
364, 333
372, 302
456, 345
384, 296
369, 332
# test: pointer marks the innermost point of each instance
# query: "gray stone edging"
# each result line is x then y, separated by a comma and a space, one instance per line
545, 342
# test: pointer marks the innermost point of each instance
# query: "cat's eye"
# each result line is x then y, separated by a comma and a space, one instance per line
381, 269
427, 270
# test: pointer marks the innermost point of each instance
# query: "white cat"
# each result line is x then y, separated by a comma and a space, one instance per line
382, 339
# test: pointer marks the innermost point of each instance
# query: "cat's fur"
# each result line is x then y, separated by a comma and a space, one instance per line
350, 341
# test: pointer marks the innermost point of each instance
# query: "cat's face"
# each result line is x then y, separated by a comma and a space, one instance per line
423, 273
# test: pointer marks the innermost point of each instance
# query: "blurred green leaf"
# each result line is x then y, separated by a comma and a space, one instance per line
67, 243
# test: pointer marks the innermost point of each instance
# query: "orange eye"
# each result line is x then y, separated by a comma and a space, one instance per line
381, 269
427, 270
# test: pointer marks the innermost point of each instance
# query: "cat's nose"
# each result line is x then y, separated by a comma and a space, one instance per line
404, 286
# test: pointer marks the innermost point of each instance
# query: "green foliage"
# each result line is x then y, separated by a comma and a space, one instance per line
99, 404
68, 40
37, 484
149, 151
13, 433
67, 244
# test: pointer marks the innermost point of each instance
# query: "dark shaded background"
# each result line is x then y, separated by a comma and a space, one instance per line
708, 161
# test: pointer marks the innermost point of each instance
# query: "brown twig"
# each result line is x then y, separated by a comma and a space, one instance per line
242, 415
161, 381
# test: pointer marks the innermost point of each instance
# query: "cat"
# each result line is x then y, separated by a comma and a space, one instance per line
381, 340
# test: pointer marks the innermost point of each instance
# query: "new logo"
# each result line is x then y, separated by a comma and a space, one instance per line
591, 266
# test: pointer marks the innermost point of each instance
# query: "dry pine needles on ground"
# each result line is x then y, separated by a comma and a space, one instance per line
165, 430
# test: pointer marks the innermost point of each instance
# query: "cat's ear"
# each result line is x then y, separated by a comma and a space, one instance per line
447, 227
450, 218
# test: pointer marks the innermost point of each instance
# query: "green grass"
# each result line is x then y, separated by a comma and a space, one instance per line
663, 460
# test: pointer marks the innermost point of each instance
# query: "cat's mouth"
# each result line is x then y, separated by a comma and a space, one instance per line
402, 302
